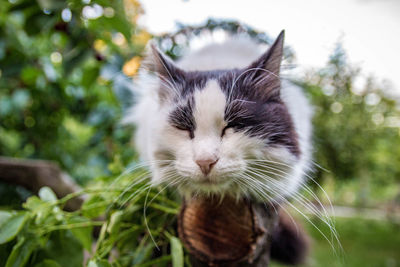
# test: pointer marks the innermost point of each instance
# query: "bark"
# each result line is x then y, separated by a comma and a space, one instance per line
34, 174
227, 232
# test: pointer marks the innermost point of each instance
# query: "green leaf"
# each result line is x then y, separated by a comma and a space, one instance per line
94, 206
33, 203
46, 194
21, 252
89, 77
115, 222
119, 24
44, 212
176, 252
65, 249
164, 209
29, 75
83, 234
143, 253
156, 262
48, 263
98, 263
4, 216
11, 227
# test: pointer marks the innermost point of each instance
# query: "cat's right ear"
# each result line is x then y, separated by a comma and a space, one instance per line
264, 72
170, 75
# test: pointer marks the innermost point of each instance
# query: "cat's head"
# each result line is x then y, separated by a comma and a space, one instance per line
218, 130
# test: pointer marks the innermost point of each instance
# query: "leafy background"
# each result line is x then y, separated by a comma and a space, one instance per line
65, 78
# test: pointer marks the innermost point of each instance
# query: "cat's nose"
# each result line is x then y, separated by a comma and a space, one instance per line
206, 164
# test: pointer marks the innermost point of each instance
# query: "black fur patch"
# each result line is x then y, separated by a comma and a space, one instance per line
253, 97
182, 116
259, 114
289, 243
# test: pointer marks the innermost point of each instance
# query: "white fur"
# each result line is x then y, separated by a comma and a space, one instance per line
237, 52
156, 139
209, 118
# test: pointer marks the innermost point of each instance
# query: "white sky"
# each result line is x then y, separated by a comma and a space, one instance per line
368, 29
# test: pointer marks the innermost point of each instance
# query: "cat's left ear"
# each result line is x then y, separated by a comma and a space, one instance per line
264, 72
157, 62
165, 69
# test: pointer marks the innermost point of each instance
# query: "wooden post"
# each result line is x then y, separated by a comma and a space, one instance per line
34, 174
227, 232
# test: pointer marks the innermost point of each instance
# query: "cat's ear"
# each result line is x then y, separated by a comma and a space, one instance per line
160, 64
165, 69
264, 72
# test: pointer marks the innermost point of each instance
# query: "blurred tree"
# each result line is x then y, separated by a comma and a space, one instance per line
174, 43
356, 127
61, 87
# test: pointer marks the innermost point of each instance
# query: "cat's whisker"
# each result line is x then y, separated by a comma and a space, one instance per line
323, 217
173, 182
145, 219
287, 179
137, 193
272, 203
136, 181
261, 194
134, 168
262, 174
281, 198
127, 171
286, 176
141, 179
291, 167
305, 174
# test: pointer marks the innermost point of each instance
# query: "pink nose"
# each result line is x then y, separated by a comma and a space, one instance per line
206, 164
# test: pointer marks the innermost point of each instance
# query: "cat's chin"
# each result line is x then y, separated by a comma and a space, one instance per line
206, 187
212, 184
209, 182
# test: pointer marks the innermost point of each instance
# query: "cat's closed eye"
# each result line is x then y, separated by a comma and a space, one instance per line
225, 129
190, 131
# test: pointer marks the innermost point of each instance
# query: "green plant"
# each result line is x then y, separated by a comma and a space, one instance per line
134, 226
62, 92
355, 131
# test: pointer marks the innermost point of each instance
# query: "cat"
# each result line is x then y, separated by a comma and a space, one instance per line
221, 121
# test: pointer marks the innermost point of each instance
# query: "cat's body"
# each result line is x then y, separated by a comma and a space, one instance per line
221, 121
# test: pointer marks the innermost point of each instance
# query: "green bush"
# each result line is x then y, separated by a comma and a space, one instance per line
62, 91
135, 226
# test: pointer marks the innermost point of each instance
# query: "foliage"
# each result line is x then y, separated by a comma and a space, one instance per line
174, 43
135, 227
61, 88
379, 239
356, 129
47, 235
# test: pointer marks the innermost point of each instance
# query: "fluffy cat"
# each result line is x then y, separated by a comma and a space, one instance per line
221, 121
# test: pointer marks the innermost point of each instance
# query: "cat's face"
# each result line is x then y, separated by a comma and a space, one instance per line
218, 130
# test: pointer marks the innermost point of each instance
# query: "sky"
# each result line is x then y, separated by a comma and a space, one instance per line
368, 29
